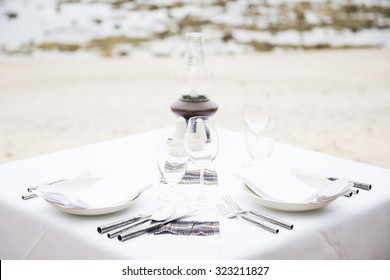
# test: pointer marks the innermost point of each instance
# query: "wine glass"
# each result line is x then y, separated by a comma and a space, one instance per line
172, 164
257, 117
201, 144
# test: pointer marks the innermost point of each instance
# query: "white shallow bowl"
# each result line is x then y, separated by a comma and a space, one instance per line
84, 183
285, 206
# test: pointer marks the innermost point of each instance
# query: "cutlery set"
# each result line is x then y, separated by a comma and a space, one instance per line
157, 215
132, 227
230, 209
131, 234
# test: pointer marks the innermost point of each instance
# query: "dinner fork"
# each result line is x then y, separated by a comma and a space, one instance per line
227, 212
228, 200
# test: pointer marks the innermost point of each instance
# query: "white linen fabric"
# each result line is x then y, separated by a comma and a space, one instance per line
348, 228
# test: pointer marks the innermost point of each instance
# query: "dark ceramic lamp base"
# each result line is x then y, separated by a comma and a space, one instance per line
188, 106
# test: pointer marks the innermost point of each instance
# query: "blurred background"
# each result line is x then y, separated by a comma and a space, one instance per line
74, 72
149, 27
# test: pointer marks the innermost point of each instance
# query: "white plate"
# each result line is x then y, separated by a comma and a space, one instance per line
80, 184
285, 206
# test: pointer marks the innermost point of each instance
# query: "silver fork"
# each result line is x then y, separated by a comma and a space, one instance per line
228, 200
228, 212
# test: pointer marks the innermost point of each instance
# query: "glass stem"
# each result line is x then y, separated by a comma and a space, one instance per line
202, 185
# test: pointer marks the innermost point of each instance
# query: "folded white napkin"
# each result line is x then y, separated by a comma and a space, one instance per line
61, 196
277, 183
331, 191
106, 192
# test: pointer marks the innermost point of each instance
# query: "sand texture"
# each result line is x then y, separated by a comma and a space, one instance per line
334, 102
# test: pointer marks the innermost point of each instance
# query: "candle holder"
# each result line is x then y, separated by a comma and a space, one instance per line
194, 81
188, 106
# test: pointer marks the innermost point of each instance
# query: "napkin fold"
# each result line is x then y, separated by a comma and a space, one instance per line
277, 183
331, 191
104, 192
60, 196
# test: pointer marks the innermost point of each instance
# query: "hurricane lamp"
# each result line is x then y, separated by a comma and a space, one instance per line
194, 81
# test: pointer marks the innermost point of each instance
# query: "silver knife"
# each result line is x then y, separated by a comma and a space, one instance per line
109, 227
356, 184
272, 220
131, 234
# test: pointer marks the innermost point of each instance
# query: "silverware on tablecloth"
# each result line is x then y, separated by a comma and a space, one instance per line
157, 215
229, 213
348, 194
229, 201
28, 196
111, 226
272, 219
131, 233
354, 191
359, 185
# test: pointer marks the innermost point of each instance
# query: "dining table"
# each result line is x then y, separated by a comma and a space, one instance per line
353, 228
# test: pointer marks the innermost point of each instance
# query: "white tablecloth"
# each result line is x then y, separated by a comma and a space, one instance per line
349, 228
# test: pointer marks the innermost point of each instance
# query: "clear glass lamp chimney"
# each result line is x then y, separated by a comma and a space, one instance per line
194, 81
194, 77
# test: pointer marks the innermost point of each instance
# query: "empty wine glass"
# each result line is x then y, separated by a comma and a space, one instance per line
201, 144
172, 164
257, 117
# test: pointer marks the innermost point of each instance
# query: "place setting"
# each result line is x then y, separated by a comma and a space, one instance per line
91, 195
196, 143
274, 185
96, 192
276, 188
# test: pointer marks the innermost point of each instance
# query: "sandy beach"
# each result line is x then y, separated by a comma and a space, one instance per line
334, 102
